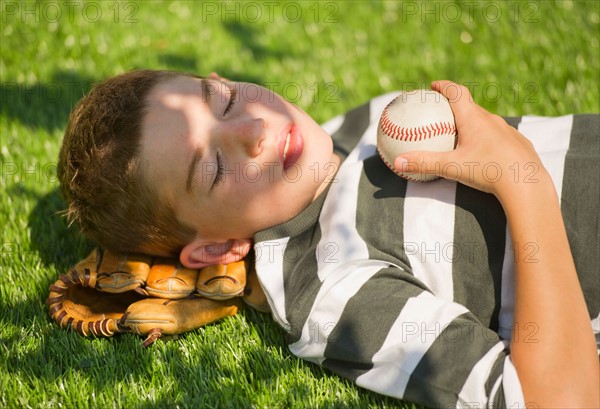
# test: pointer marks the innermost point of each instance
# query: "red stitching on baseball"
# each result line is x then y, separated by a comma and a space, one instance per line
398, 132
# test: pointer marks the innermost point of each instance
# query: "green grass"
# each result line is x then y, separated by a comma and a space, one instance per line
533, 58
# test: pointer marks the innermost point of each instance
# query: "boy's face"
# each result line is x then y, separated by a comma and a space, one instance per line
232, 158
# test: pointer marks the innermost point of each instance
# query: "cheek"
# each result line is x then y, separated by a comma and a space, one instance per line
251, 173
254, 177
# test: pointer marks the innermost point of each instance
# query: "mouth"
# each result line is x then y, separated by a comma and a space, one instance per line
291, 145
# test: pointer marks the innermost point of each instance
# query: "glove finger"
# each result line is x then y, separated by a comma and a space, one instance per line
169, 279
254, 295
175, 316
72, 303
89, 265
222, 281
120, 272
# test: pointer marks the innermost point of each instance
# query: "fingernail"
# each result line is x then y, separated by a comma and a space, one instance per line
400, 162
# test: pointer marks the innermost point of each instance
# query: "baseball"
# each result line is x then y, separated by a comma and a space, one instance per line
416, 120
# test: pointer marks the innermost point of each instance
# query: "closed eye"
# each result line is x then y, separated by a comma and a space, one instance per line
232, 95
220, 170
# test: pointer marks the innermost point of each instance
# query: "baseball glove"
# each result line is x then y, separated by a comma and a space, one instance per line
106, 293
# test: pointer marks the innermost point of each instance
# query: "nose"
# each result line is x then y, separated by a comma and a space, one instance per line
245, 134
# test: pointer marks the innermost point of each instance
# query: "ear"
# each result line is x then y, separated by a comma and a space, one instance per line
202, 253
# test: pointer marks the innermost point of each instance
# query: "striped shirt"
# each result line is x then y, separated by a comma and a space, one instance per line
406, 288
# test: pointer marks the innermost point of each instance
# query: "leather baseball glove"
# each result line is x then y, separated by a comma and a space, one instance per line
106, 293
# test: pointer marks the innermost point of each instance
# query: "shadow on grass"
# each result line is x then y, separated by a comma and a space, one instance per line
189, 65
178, 62
55, 243
249, 38
44, 105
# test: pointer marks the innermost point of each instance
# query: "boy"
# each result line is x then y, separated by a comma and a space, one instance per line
404, 288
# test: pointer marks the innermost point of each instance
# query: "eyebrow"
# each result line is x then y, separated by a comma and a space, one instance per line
206, 94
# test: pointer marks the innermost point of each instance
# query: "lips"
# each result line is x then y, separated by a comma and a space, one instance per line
290, 145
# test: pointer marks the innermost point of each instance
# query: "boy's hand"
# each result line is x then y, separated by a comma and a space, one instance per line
487, 151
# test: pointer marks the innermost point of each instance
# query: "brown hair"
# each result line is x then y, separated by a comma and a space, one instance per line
100, 175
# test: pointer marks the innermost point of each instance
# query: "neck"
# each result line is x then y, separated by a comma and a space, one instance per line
331, 168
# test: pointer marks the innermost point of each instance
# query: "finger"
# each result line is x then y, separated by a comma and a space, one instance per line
425, 162
460, 99
450, 89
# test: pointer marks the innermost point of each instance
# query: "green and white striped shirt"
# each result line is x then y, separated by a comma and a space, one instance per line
406, 288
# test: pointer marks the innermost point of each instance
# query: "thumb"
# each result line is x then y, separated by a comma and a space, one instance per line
427, 162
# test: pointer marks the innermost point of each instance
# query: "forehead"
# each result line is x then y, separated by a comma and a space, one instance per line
173, 92
174, 107
175, 119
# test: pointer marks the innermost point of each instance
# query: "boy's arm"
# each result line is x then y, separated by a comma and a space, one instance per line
561, 368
